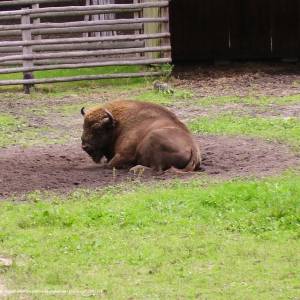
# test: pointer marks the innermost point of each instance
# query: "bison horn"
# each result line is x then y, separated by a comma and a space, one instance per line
111, 118
82, 111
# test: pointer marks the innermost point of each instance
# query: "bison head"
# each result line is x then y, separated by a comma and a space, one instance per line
97, 132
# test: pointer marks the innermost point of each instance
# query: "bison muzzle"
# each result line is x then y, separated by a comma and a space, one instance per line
130, 133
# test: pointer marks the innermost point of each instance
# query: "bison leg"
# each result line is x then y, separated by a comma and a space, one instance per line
119, 162
175, 171
139, 170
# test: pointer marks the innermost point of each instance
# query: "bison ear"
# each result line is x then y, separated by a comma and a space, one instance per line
107, 122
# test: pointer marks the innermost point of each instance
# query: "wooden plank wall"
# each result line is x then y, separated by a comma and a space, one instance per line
235, 29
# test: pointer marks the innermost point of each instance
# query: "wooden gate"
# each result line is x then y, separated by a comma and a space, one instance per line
90, 34
235, 29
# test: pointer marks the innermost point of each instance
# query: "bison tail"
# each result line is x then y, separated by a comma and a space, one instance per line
195, 160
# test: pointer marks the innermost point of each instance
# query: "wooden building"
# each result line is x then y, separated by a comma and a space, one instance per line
235, 29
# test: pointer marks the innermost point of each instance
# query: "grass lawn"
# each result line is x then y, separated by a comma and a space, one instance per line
230, 240
249, 100
278, 129
70, 87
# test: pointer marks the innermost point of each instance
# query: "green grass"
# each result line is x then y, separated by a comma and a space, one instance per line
29, 137
80, 86
277, 129
16, 131
233, 240
71, 109
93, 92
164, 98
250, 100
76, 72
7, 121
142, 95
8, 126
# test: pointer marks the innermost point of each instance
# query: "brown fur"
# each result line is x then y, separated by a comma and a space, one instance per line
144, 133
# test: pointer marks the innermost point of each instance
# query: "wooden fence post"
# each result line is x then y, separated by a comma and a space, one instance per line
95, 18
86, 18
36, 21
110, 16
165, 27
137, 15
27, 50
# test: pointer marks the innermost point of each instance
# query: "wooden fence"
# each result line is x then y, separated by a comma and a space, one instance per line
36, 38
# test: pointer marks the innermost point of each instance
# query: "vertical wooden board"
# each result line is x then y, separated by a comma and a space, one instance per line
250, 30
203, 33
194, 45
165, 27
151, 28
219, 27
190, 21
177, 25
298, 31
199, 29
285, 28
185, 29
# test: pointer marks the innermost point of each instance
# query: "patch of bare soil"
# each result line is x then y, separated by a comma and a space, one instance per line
187, 114
285, 111
65, 167
240, 79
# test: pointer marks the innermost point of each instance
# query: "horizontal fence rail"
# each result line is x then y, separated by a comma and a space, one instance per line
87, 65
115, 27
88, 40
85, 53
30, 2
100, 35
79, 78
82, 46
68, 25
81, 10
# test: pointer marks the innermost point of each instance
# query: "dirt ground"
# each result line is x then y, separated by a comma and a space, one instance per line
240, 79
66, 167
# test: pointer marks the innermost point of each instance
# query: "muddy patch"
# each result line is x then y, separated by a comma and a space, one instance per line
66, 167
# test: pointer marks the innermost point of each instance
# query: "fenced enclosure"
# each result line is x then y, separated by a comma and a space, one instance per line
234, 29
38, 35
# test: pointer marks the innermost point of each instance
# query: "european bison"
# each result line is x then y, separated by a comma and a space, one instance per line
130, 133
